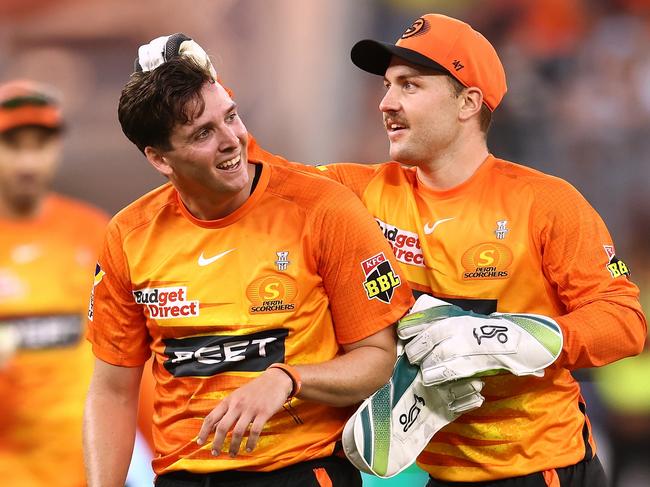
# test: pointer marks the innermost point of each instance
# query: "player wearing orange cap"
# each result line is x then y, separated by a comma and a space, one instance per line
265, 294
490, 235
48, 246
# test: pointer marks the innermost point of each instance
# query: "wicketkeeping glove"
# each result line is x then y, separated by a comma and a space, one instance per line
449, 343
392, 427
162, 49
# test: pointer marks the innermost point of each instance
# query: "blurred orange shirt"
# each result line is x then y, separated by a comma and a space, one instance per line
45, 277
509, 239
295, 272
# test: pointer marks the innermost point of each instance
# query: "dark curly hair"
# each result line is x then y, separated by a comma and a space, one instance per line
154, 102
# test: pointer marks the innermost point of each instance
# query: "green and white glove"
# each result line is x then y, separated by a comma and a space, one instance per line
392, 427
449, 343
162, 49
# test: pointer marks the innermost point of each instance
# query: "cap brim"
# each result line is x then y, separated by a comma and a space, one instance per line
375, 57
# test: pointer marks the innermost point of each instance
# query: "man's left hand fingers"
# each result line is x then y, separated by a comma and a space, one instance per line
238, 433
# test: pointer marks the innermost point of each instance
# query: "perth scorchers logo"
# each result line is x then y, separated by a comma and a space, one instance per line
420, 26
166, 303
272, 294
487, 261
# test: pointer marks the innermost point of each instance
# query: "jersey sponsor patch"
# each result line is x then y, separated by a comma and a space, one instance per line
99, 275
615, 266
205, 356
406, 245
272, 294
166, 303
45, 332
489, 260
381, 280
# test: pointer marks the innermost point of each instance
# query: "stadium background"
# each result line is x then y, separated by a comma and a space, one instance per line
578, 107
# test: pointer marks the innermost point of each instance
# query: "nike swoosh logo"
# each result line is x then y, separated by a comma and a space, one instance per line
203, 261
428, 229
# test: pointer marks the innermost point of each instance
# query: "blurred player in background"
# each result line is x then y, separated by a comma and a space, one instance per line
265, 294
48, 246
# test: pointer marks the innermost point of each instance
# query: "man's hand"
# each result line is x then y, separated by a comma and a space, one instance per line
162, 49
449, 343
250, 405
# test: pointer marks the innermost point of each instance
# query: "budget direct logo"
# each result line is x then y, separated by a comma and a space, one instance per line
405, 244
381, 279
487, 261
272, 294
166, 303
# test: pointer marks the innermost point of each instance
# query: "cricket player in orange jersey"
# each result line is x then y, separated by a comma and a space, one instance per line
266, 295
491, 235
48, 245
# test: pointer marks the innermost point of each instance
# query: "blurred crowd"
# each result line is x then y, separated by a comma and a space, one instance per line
578, 107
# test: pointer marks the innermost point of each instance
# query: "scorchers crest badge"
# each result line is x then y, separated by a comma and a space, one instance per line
381, 279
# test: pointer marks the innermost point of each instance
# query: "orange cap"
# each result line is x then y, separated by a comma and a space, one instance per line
27, 103
444, 44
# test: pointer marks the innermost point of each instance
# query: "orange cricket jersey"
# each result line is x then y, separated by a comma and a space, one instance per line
509, 239
44, 281
295, 272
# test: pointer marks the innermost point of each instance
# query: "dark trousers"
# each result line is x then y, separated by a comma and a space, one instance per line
323, 472
588, 473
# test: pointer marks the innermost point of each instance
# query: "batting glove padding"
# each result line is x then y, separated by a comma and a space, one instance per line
392, 427
162, 49
449, 343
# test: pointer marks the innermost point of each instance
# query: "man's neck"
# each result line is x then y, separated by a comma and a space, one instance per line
453, 167
20, 210
214, 206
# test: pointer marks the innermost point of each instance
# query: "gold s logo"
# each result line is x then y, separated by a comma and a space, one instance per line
271, 291
485, 258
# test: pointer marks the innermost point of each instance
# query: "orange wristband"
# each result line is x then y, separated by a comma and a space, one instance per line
293, 375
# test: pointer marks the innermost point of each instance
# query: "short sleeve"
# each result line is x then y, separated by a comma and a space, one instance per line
116, 327
366, 289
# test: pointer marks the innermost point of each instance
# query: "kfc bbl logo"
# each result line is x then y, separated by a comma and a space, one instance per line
381, 280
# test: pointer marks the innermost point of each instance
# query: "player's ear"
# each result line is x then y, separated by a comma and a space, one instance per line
471, 102
158, 160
